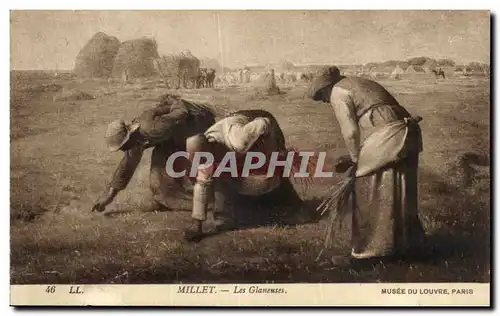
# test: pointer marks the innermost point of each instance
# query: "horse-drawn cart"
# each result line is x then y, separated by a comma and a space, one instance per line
178, 70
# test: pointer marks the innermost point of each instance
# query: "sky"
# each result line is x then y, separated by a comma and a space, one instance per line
52, 39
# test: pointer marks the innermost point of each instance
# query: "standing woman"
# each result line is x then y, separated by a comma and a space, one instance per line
384, 143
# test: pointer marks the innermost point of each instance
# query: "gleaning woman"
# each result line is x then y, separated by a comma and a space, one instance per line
384, 142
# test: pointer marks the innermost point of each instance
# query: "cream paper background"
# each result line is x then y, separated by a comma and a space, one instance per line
296, 295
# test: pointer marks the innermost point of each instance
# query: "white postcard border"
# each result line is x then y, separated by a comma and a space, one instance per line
314, 295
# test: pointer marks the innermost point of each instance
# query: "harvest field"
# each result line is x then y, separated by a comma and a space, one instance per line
60, 165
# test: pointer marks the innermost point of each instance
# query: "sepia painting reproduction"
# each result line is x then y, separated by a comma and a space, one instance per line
250, 158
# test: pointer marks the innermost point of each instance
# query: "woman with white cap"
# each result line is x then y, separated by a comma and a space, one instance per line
384, 143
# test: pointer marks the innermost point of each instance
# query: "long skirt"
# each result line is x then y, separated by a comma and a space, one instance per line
230, 206
170, 193
387, 221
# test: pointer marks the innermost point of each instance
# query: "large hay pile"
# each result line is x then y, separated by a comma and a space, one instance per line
178, 69
210, 63
176, 64
96, 58
189, 63
135, 59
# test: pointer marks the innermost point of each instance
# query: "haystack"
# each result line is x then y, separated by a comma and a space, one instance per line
410, 70
430, 65
177, 69
267, 83
210, 63
397, 72
96, 58
135, 59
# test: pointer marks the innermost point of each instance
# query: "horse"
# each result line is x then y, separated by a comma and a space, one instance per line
201, 78
438, 73
209, 77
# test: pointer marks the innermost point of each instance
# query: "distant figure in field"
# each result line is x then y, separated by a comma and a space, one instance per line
438, 73
240, 74
384, 142
202, 78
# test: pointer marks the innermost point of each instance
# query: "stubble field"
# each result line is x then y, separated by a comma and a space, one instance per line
60, 165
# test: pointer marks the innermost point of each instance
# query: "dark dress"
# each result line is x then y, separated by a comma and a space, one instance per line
166, 129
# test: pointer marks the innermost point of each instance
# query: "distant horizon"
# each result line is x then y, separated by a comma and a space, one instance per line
262, 65
52, 39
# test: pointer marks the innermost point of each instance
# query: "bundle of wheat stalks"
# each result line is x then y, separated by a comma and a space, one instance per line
337, 203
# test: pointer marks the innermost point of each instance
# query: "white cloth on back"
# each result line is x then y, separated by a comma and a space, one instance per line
237, 132
382, 147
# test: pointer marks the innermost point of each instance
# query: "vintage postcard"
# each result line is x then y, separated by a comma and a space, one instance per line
250, 158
